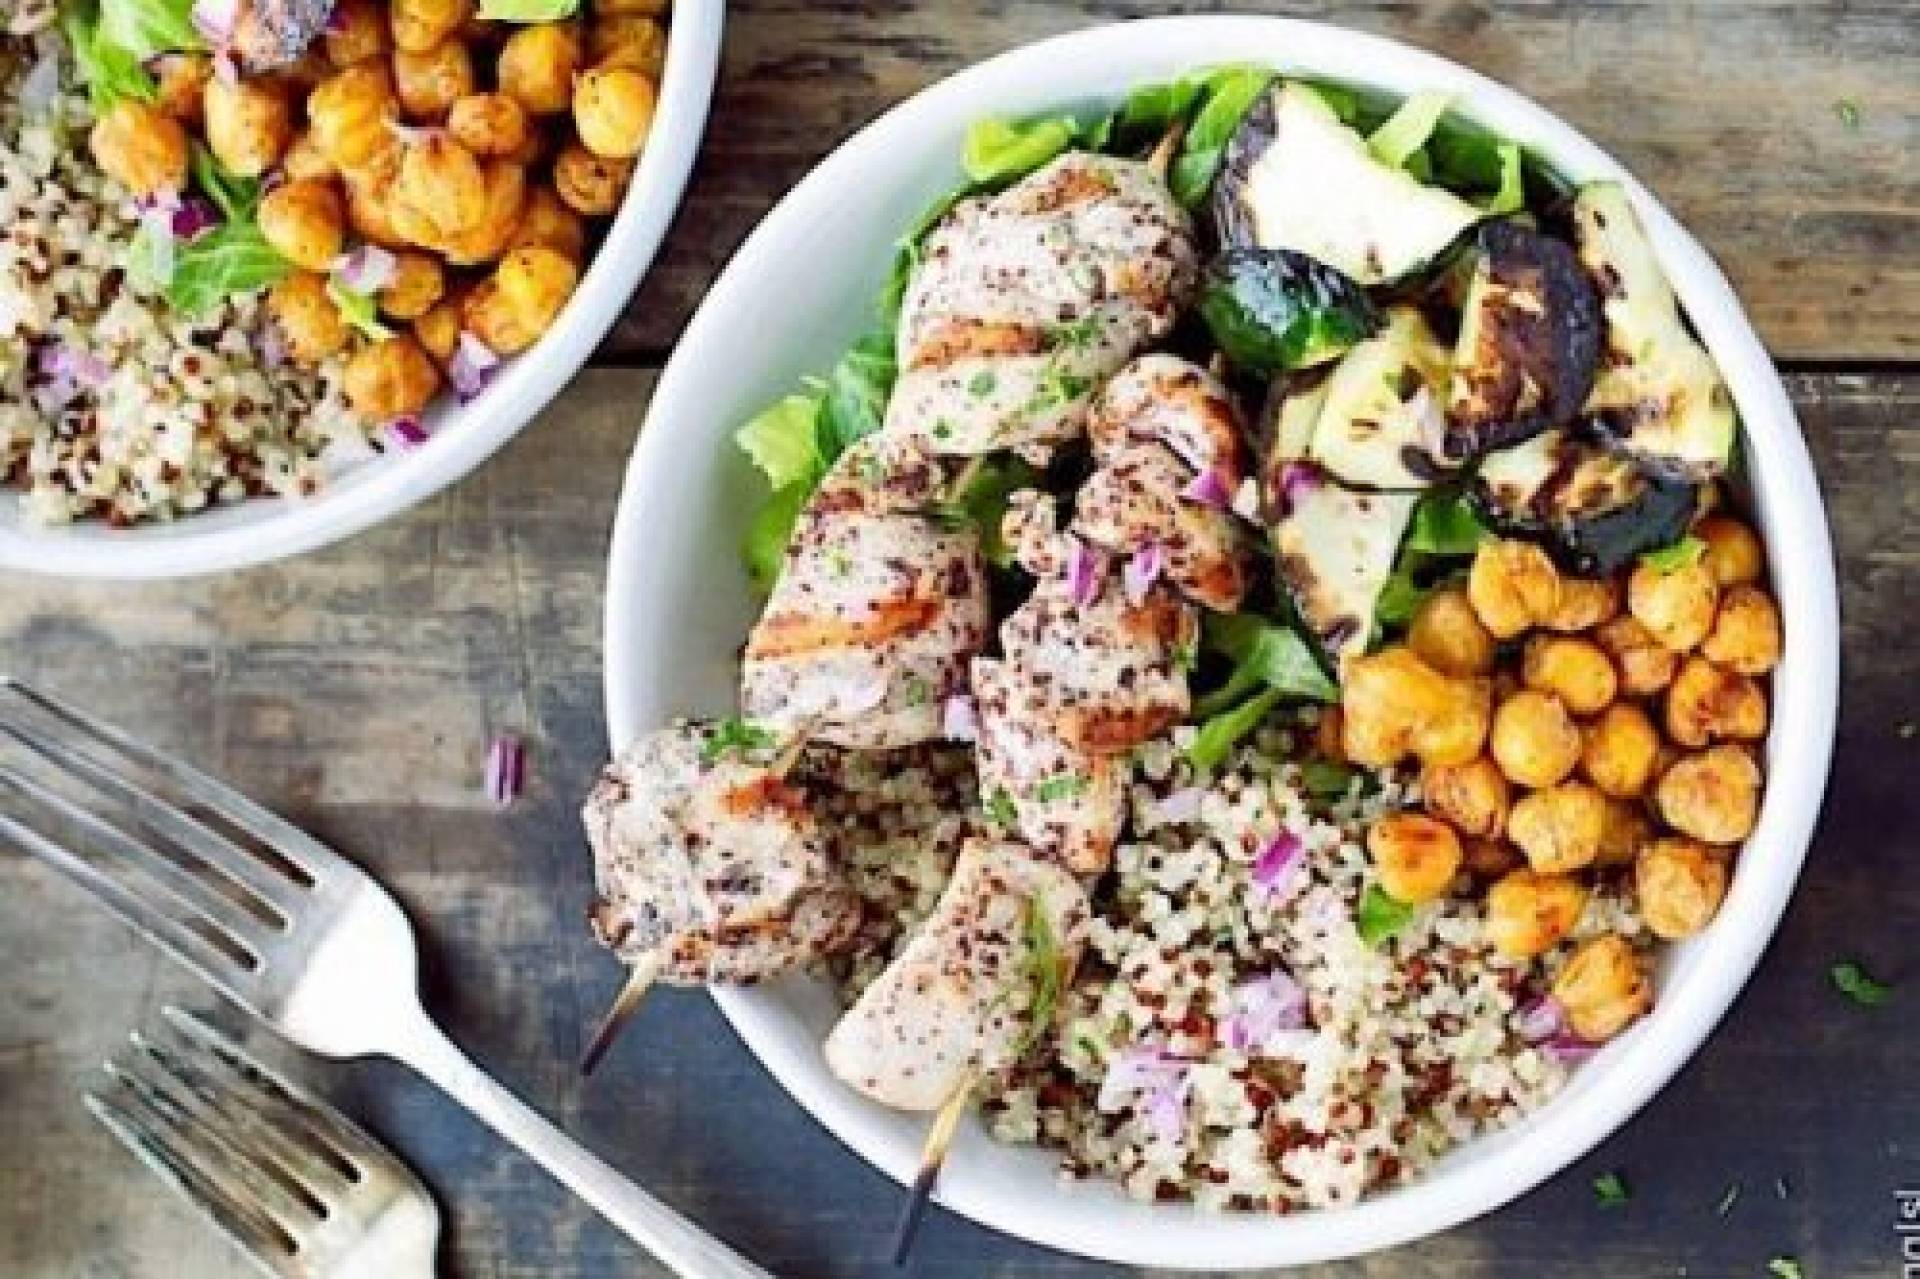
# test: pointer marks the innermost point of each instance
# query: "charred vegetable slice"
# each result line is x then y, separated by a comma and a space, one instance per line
1659, 395
1594, 511
1382, 425
1529, 341
1296, 178
1274, 309
1334, 548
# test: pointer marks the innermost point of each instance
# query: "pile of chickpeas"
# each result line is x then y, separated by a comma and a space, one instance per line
1568, 728
474, 151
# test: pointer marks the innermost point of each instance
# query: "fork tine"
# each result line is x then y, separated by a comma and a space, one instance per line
212, 909
187, 947
209, 846
269, 1247
287, 840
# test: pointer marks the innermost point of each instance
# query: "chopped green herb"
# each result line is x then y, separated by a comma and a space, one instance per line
1326, 779
736, 734
1218, 736
1727, 1200
841, 563
1849, 112
1000, 808
1610, 1189
1669, 559
1089, 1045
1785, 1268
916, 691
1381, 915
1511, 195
1044, 971
981, 383
1852, 981
1077, 335
1065, 786
1185, 657
943, 430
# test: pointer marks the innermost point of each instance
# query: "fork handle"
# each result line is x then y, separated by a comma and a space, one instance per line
679, 1243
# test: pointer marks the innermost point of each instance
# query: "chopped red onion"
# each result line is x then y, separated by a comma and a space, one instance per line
959, 718
41, 85
1569, 1049
1261, 1008
1540, 1020
404, 433
1209, 488
193, 218
215, 20
1142, 570
1084, 571
1246, 500
1297, 479
506, 770
336, 23
366, 270
1276, 871
81, 368
1157, 1081
472, 367
1181, 806
272, 345
225, 69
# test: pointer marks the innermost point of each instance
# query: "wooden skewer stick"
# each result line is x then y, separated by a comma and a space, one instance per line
932, 1156
1161, 160
639, 980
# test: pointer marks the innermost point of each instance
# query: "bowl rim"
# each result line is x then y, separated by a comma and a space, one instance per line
262, 530
1633, 1068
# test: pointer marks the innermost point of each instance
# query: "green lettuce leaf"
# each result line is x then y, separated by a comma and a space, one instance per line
1380, 916
1687, 551
228, 261
1407, 129
1264, 655
359, 310
148, 28
1511, 195
857, 389
1220, 734
1230, 94
764, 544
784, 441
528, 10
112, 74
237, 198
1001, 151
1445, 524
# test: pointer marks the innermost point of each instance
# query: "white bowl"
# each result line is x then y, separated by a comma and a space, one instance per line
464, 436
678, 609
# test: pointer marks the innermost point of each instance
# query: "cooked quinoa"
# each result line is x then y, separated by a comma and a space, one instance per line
166, 415
1402, 1052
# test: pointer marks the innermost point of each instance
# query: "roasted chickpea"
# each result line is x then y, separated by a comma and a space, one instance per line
1645, 664
589, 183
1713, 796
1733, 553
1448, 636
613, 110
537, 282
1675, 605
495, 321
356, 33
505, 198
442, 184
349, 115
305, 222
552, 225
490, 125
647, 8
1577, 671
141, 147
438, 330
249, 125
537, 67
1706, 703
419, 25
305, 159
1415, 857
1624, 832
1490, 858
180, 83
417, 285
1535, 742
1620, 752
1559, 828
1393, 704
1528, 913
308, 320
1746, 631
431, 81
1585, 602
628, 40
1513, 585
1472, 797
388, 379
370, 210
1680, 884
1603, 989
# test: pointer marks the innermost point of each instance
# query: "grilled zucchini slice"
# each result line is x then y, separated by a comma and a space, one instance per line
1334, 549
1592, 509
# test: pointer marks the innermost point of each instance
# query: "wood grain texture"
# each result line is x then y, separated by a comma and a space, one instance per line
1729, 109
355, 690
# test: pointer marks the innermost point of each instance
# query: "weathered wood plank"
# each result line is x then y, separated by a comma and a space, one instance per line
1729, 110
355, 690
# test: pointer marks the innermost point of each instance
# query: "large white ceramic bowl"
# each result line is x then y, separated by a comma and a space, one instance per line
678, 609
464, 436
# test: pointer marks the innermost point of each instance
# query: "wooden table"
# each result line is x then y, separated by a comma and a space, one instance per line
356, 689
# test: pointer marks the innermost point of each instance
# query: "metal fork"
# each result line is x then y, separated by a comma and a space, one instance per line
280, 924
301, 1189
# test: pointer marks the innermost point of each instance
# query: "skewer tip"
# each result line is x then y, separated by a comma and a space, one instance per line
624, 1005
932, 1156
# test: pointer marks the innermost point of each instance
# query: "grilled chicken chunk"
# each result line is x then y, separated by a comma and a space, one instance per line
269, 34
709, 866
1025, 301
961, 996
878, 609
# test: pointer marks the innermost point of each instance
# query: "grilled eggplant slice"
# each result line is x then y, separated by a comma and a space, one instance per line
1529, 341
1381, 424
1334, 549
1659, 396
1273, 309
1295, 177
1592, 509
